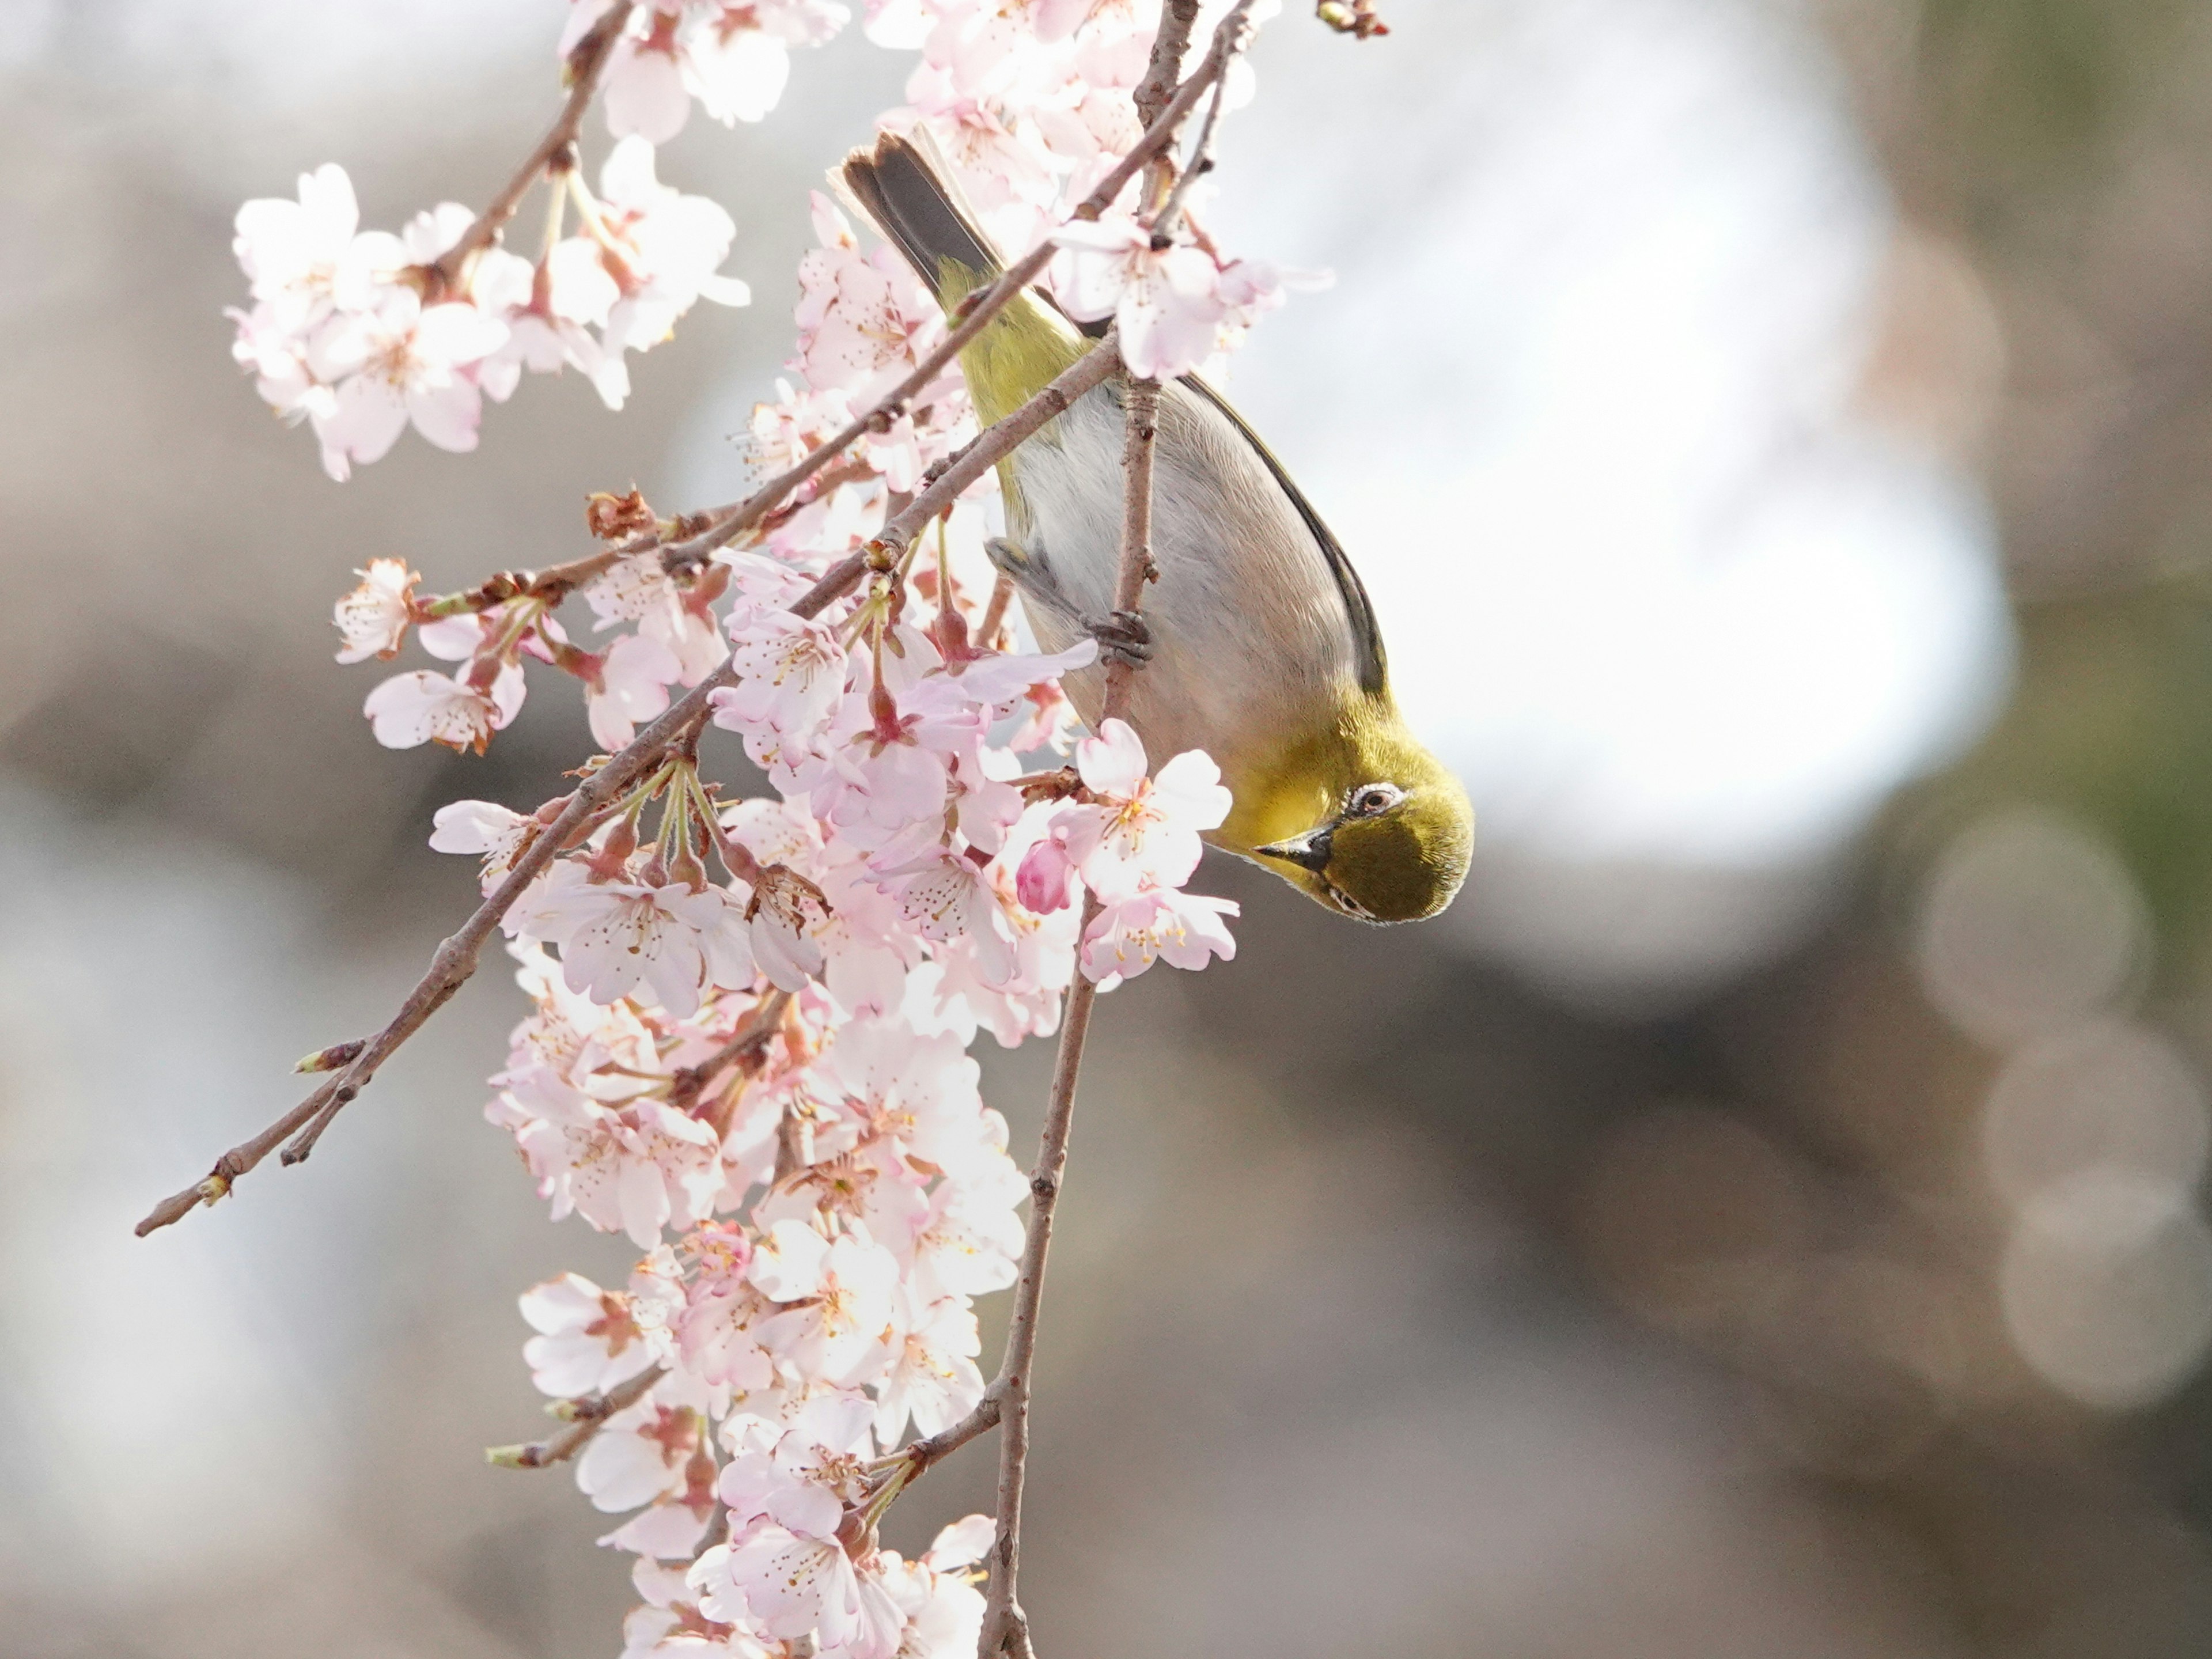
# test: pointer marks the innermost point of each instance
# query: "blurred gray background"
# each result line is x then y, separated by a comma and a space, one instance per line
1763, 1219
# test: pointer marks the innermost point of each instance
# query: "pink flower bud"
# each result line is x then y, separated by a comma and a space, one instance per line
1041, 881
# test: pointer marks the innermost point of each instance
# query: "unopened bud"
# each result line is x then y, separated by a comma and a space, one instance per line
510, 1457
330, 1059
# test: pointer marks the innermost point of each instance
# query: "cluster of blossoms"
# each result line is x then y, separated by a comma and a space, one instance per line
762, 1080
361, 333
747, 1045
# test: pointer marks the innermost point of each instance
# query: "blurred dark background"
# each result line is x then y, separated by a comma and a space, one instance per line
1765, 1218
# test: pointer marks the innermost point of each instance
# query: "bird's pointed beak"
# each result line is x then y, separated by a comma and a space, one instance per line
1309, 850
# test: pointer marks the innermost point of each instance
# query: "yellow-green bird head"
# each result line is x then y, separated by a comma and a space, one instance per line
1387, 833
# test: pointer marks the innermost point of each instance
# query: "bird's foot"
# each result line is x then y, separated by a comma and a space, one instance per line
1125, 637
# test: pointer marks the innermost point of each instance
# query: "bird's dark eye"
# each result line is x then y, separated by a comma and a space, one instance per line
1371, 799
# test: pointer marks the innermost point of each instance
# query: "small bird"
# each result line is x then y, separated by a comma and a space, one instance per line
1258, 643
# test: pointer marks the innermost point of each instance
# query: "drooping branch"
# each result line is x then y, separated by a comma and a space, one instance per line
456, 958
587, 63
1005, 1628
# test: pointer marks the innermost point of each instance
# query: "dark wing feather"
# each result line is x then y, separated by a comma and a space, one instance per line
1367, 637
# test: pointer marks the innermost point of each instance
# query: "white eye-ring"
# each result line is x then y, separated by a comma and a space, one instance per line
1372, 798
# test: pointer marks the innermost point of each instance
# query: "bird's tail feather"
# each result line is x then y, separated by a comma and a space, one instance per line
908, 200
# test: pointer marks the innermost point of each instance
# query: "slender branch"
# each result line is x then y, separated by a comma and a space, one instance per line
1140, 410
1005, 1629
994, 611
455, 959
587, 63
704, 532
973, 316
1229, 39
590, 1416
556, 582
1177, 18
923, 1455
750, 1038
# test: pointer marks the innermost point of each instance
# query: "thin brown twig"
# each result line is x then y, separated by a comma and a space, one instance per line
589, 1417
972, 320
1229, 39
704, 532
750, 1037
455, 959
556, 582
1005, 1627
587, 63
994, 611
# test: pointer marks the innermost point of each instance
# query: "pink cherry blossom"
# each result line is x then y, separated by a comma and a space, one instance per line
642, 1454
838, 1297
1184, 930
944, 895
372, 619
635, 1170
630, 688
300, 255
666, 249
1167, 302
587, 1340
615, 936
791, 677
410, 709
496, 833
934, 1380
397, 363
1142, 831
863, 320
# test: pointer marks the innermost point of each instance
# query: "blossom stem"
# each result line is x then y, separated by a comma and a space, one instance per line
728, 523
456, 958
1005, 1630
587, 63
994, 613
750, 1037
1228, 40
591, 1416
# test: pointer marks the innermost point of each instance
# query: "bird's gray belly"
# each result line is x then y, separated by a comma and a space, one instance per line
1254, 644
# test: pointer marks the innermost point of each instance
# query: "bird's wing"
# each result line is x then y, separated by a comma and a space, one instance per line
1367, 637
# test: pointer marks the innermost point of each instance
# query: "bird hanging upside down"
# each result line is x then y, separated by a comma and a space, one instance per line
1258, 642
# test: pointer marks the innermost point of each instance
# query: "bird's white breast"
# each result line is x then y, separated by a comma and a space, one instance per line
1255, 644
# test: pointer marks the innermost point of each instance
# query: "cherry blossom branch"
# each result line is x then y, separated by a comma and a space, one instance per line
1005, 1628
1007, 1401
974, 313
1229, 37
705, 532
587, 63
556, 582
750, 1037
456, 958
1177, 18
588, 1416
